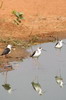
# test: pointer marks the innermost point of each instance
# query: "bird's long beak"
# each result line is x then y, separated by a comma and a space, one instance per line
44, 50
13, 47
64, 43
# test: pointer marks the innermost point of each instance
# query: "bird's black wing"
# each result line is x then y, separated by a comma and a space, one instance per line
6, 51
56, 43
33, 54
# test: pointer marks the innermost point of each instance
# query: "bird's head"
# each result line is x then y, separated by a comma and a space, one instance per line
9, 46
40, 48
61, 41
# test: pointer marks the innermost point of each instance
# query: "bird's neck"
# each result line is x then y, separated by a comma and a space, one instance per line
60, 42
39, 50
9, 48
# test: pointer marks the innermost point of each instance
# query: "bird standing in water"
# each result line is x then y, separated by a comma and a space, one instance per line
7, 50
36, 53
59, 44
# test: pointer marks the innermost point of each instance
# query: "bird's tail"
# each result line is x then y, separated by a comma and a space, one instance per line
30, 55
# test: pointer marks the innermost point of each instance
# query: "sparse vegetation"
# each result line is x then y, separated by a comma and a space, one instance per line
19, 17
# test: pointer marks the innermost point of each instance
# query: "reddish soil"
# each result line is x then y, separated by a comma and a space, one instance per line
45, 19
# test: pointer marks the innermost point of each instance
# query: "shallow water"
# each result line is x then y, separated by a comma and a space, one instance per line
43, 70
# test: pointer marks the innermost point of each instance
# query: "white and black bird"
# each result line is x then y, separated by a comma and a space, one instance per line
37, 53
7, 50
59, 44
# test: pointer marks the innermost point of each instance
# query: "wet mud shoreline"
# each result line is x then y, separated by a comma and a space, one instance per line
43, 22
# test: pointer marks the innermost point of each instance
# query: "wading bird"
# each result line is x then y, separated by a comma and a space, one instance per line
7, 50
59, 44
37, 53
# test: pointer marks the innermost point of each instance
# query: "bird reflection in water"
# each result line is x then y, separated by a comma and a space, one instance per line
7, 86
6, 67
37, 87
59, 81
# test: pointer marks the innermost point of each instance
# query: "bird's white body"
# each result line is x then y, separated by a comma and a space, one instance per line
9, 46
7, 50
59, 44
37, 53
